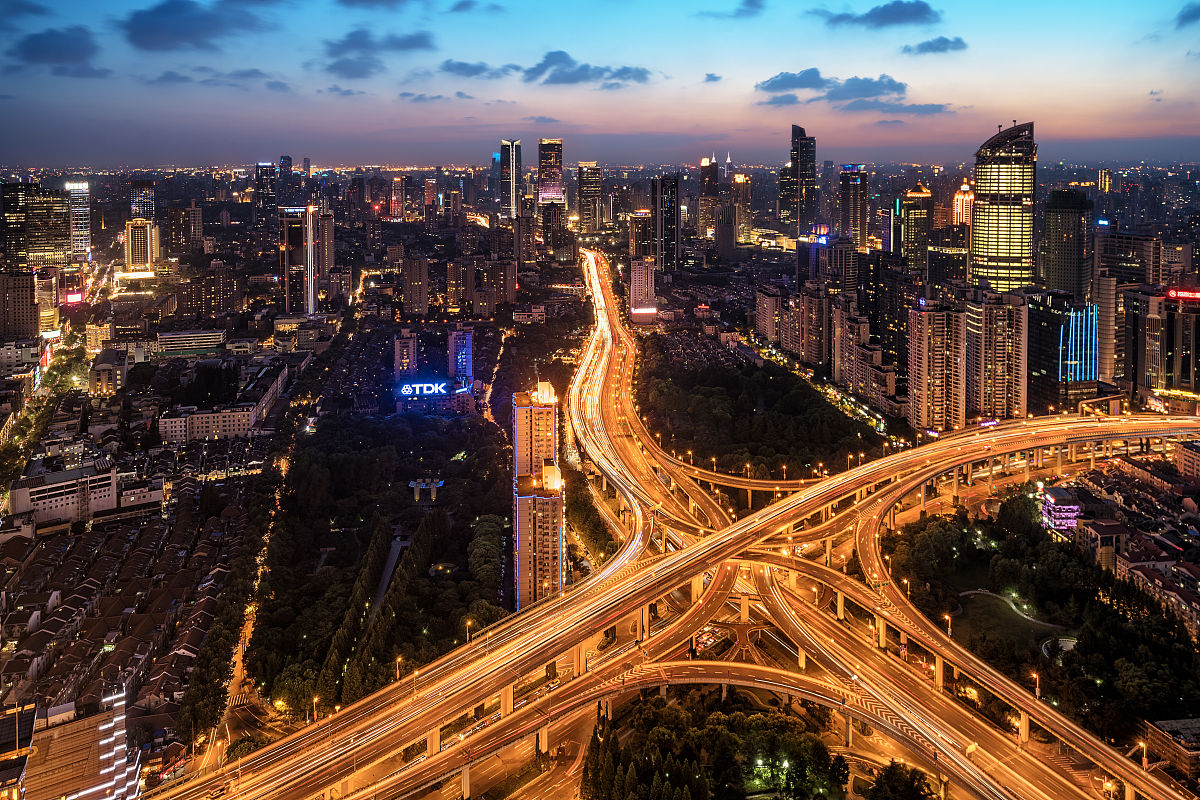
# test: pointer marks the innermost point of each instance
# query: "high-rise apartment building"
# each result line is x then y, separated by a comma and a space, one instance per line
768, 309
550, 172
18, 306
36, 227
407, 348
460, 281
460, 352
590, 191
1002, 211
510, 178
916, 211
937, 396
142, 246
964, 203
298, 258
539, 538
325, 246
535, 429
142, 203
743, 215
265, 204
1129, 257
415, 290
1067, 252
81, 221
641, 234
803, 171
664, 199
709, 190
643, 303
854, 204
997, 334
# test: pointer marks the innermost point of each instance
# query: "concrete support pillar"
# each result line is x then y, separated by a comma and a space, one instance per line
939, 672
841, 606
1028, 455
606, 707
697, 587
802, 660
1093, 451
417, 493
828, 550
579, 659
881, 632
903, 639
1004, 459
1059, 453
943, 788
744, 612
644, 622
826, 513
956, 471
506, 699
662, 690
796, 579
466, 781
1023, 728
724, 691
543, 739
603, 482
749, 498
433, 742
1130, 792
849, 729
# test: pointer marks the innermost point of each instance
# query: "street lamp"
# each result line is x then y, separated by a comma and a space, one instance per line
1037, 686
468, 631
1145, 763
315, 699
907, 588
949, 631
785, 472
398, 658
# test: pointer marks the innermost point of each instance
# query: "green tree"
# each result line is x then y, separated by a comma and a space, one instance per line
899, 781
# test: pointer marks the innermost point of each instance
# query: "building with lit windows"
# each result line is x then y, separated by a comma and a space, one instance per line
916, 212
641, 234
643, 302
1063, 360
298, 259
407, 351
997, 338
1002, 210
461, 354
964, 203
535, 428
854, 204
510, 178
142, 246
668, 221
265, 173
81, 220
937, 392
743, 216
415, 290
141, 200
590, 191
550, 172
709, 190
1066, 257
539, 535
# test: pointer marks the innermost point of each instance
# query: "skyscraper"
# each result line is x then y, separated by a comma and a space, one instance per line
643, 302
460, 281
964, 201
416, 287
141, 199
997, 331
664, 198
641, 234
1066, 252
325, 246
81, 220
298, 258
510, 178
855, 211
406, 347
18, 306
937, 398
1064, 351
590, 188
535, 428
539, 540
550, 172
142, 246
1129, 257
709, 188
37, 227
804, 168
916, 208
460, 353
264, 193
1002, 212
744, 217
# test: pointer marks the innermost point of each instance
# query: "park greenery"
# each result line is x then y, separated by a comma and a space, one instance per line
701, 747
899, 781
537, 352
1134, 660
764, 417
323, 627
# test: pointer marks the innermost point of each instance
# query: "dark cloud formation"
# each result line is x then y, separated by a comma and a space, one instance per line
339, 91
540, 120
355, 55
557, 67
278, 86
856, 87
896, 107
810, 78
464, 96
171, 76
373, 3
421, 97
1156, 95
745, 10
897, 12
889, 122
781, 100
209, 76
463, 6
476, 69
14, 9
711, 77
187, 24
938, 44
1188, 15
68, 52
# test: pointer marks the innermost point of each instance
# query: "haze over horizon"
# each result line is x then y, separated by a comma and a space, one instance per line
190, 82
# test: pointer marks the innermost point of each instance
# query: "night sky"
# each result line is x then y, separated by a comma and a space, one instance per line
192, 82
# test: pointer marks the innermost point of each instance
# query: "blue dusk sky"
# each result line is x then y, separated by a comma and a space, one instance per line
192, 82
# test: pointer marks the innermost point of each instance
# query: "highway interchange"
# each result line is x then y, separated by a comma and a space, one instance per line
724, 566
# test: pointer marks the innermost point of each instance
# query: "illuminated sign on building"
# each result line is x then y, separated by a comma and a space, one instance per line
74, 297
423, 389
1183, 294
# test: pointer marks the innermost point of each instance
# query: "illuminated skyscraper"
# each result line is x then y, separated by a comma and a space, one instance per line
406, 351
937, 396
460, 281
19, 317
915, 211
744, 217
854, 203
535, 429
550, 172
709, 188
141, 245
37, 227
1064, 351
641, 234
416, 287
964, 200
298, 258
264, 193
664, 198
510, 178
81, 221
798, 202
643, 302
141, 199
539, 538
460, 353
1002, 213
325, 246
590, 189
997, 331
1066, 252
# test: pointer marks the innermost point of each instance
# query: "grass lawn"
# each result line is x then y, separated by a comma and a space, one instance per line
992, 616
964, 580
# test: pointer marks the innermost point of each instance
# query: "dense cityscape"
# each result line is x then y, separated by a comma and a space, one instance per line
531, 471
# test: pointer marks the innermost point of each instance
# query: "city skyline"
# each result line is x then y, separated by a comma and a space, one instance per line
439, 82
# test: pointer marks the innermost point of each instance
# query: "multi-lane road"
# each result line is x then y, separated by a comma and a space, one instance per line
357, 751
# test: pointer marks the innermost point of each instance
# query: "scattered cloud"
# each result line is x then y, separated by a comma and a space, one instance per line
8, 97
464, 96
781, 100
887, 15
421, 97
540, 120
355, 55
889, 122
711, 77
856, 87
187, 24
20, 8
1156, 95
745, 10
476, 69
68, 52
339, 91
373, 3
464, 6
279, 86
896, 107
939, 44
557, 67
810, 78
1188, 15
171, 76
